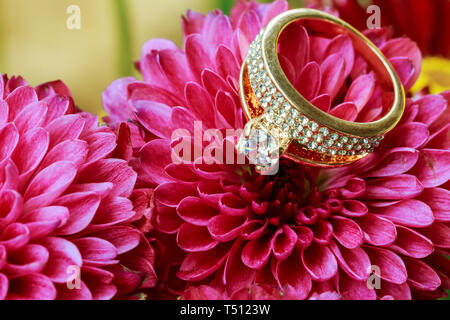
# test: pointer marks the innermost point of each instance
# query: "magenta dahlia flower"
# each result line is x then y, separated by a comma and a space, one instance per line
64, 201
228, 232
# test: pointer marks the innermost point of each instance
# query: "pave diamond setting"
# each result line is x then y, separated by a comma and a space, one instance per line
292, 123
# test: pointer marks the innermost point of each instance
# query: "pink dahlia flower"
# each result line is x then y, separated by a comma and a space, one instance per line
64, 201
303, 233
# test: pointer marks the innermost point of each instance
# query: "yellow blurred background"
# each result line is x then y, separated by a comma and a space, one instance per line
36, 43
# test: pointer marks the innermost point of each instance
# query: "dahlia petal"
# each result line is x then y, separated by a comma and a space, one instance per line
196, 211
421, 276
405, 69
82, 294
182, 172
323, 102
220, 31
110, 170
353, 208
283, 242
155, 117
99, 282
237, 275
68, 127
74, 151
114, 211
29, 259
440, 139
397, 291
200, 103
19, 99
224, 103
291, 273
430, 108
198, 55
412, 244
320, 262
43, 221
9, 138
11, 207
139, 91
175, 65
249, 26
439, 201
4, 282
32, 287
123, 238
323, 232
199, 265
101, 144
82, 208
393, 188
214, 83
14, 236
3, 256
115, 101
410, 213
351, 289
49, 184
256, 252
193, 238
304, 236
433, 167
102, 189
355, 262
347, 232
4, 111
233, 205
345, 111
394, 162
360, 91
59, 107
342, 45
30, 117
226, 62
167, 219
438, 234
155, 157
333, 74
95, 249
294, 45
378, 231
63, 254
165, 193
210, 191
391, 265
225, 228
309, 81
274, 9
413, 135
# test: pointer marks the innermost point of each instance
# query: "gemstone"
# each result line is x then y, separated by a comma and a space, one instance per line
365, 141
294, 113
354, 140
348, 147
294, 134
358, 147
307, 133
312, 146
343, 139
332, 152
321, 149
328, 143
342, 152
338, 145
334, 136
324, 131
260, 148
303, 140
351, 153
304, 120
313, 126
318, 138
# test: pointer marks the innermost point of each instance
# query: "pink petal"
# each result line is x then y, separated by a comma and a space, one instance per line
192, 238
115, 101
410, 213
43, 221
197, 55
256, 253
82, 208
63, 254
32, 287
27, 260
284, 242
199, 265
155, 157
421, 276
352, 289
345, 111
195, 211
155, 117
9, 137
31, 116
438, 234
378, 231
75, 151
225, 228
333, 74
124, 238
320, 262
391, 265
355, 262
347, 232
360, 91
394, 162
171, 194
292, 273
393, 188
49, 184
19, 99
96, 249
237, 275
412, 244
294, 45
433, 167
67, 127
309, 81
439, 201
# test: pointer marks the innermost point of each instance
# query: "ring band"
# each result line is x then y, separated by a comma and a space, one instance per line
303, 132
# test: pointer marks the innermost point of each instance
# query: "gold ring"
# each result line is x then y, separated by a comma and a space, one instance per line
281, 122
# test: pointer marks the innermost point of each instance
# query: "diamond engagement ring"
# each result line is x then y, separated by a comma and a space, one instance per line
282, 123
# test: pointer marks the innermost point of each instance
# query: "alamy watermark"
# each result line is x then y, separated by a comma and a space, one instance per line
73, 22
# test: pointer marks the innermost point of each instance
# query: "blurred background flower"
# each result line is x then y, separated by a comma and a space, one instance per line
36, 43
